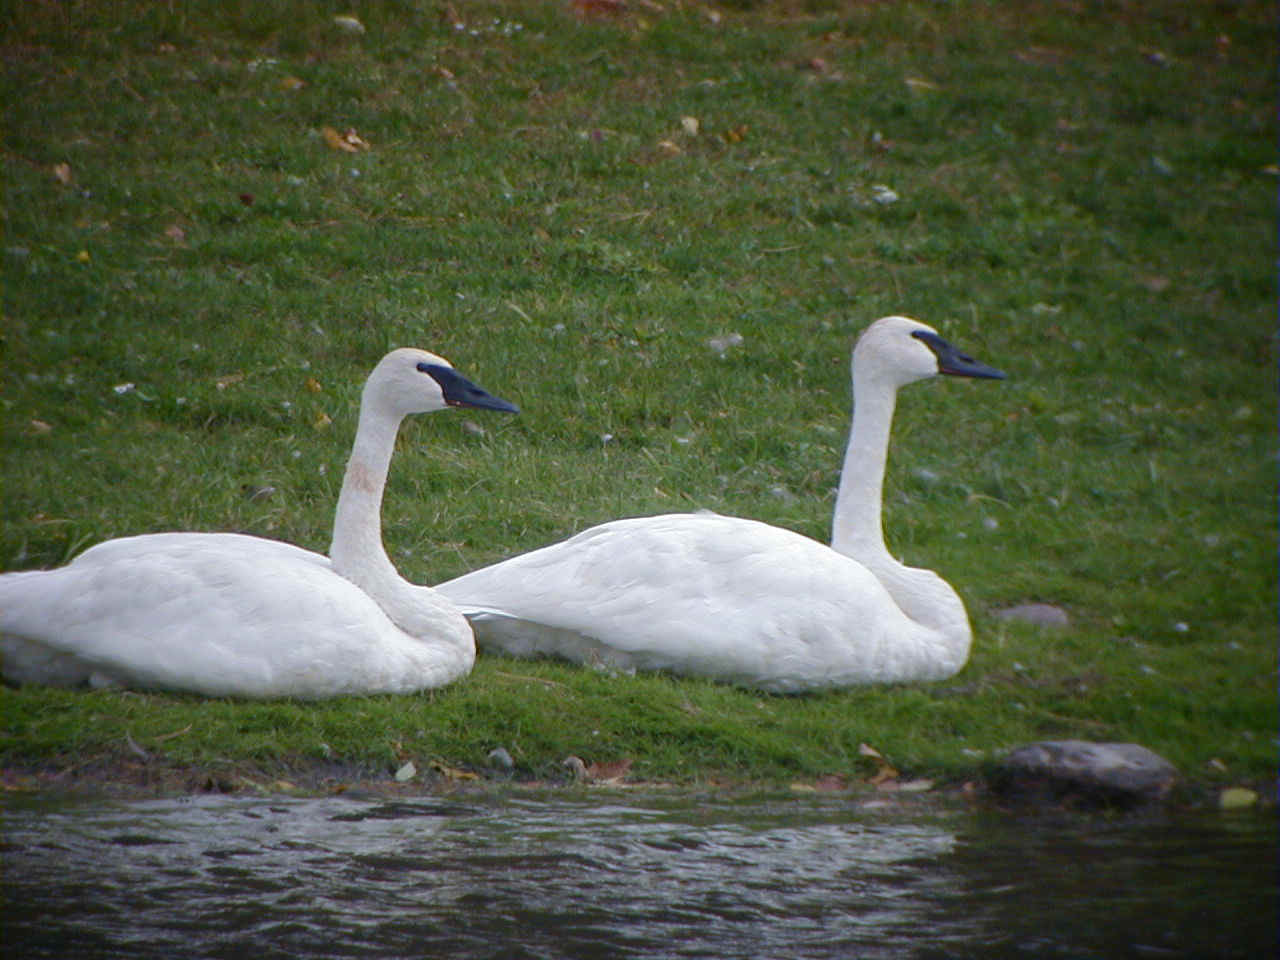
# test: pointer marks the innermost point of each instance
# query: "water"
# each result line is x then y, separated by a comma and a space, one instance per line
610, 875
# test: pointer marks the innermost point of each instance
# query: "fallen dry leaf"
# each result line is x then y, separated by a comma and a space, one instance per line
349, 142
175, 233
452, 773
450, 16
609, 772
62, 172
290, 83
884, 770
690, 125
586, 9
227, 380
313, 385
735, 134
322, 421
1040, 56
83, 256
1237, 798
39, 426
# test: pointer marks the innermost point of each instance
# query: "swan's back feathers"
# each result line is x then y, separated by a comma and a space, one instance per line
217, 614
701, 594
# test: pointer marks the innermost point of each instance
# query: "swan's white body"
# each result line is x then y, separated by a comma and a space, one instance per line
231, 615
739, 600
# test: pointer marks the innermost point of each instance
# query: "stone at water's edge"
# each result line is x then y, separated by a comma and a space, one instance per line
1092, 773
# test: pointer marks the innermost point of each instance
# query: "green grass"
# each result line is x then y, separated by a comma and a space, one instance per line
1086, 200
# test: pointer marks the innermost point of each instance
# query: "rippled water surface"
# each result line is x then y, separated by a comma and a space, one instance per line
620, 875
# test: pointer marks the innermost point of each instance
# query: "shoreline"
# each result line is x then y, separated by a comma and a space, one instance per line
130, 778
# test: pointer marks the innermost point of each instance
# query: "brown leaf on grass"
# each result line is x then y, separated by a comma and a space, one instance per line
452, 773
735, 134
588, 9
884, 770
290, 83
1040, 56
62, 173
228, 380
349, 142
609, 772
39, 426
831, 783
175, 233
321, 421
313, 385
450, 16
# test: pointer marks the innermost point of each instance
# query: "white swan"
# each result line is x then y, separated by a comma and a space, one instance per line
739, 600
224, 614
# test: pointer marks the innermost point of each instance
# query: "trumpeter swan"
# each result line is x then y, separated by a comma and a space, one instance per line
225, 614
739, 600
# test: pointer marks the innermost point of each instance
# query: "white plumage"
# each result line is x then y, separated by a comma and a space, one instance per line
739, 600
231, 615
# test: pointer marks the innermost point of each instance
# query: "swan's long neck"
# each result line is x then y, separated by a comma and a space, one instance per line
857, 531
357, 552
447, 649
856, 528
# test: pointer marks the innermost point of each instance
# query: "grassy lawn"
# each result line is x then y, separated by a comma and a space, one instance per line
659, 230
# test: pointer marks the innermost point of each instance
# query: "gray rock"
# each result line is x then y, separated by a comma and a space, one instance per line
1041, 614
501, 759
1094, 774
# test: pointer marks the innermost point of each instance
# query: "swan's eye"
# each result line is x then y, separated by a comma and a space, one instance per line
424, 367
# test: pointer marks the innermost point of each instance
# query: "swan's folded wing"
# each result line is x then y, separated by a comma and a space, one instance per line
212, 613
695, 593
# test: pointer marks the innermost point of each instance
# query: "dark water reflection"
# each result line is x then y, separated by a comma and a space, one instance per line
617, 876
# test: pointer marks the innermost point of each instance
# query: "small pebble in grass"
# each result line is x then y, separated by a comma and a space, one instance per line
255, 493
499, 757
349, 24
990, 523
721, 345
1181, 627
883, 195
473, 428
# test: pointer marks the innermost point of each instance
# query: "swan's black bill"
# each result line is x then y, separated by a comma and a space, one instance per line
460, 392
952, 361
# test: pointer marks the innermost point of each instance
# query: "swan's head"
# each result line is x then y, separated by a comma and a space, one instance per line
409, 381
903, 350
